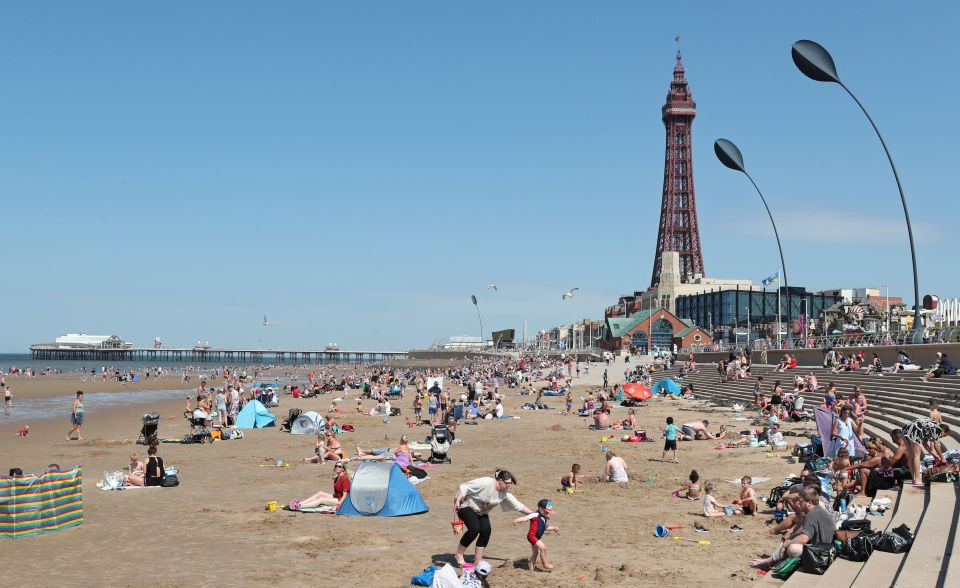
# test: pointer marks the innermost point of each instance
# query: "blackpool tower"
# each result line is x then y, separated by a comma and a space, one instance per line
678, 211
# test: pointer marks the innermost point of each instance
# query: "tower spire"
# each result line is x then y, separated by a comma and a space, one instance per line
679, 230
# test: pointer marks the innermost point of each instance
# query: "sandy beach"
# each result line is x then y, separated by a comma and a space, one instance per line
214, 528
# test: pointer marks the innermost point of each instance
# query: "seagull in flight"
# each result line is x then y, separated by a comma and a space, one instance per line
569, 293
492, 287
266, 323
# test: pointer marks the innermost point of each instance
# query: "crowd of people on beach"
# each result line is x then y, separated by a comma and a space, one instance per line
804, 513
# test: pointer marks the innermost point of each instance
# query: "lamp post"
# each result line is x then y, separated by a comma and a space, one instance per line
710, 317
748, 324
816, 63
474, 299
730, 156
887, 334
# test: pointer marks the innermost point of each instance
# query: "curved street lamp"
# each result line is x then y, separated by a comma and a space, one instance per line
730, 156
473, 298
815, 62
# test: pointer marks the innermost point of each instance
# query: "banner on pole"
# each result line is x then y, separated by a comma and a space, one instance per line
772, 279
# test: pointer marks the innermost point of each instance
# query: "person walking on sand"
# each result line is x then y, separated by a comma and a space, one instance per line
7, 400
473, 503
76, 417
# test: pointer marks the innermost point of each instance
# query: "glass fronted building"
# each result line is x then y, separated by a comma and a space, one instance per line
724, 313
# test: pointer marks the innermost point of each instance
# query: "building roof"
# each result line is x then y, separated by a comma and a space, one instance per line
687, 331
620, 326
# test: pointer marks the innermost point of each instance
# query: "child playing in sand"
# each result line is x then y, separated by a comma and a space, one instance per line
539, 526
712, 508
631, 421
670, 443
748, 497
24, 431
570, 482
690, 490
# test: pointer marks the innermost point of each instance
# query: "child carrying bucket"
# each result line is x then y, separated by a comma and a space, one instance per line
539, 526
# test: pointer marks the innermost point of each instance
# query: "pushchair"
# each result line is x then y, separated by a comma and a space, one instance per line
795, 411
148, 432
199, 431
292, 415
440, 444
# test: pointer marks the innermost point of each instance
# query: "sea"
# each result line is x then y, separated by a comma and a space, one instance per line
25, 410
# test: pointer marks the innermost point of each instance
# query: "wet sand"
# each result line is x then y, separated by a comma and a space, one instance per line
213, 528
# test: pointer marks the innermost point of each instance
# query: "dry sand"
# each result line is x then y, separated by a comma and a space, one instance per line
214, 529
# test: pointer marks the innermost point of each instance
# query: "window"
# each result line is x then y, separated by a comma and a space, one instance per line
662, 334
638, 341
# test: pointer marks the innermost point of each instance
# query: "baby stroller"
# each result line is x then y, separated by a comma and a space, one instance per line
292, 415
440, 444
148, 432
795, 411
199, 431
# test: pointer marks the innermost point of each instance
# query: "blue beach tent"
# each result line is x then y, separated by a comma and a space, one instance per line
255, 416
666, 385
380, 489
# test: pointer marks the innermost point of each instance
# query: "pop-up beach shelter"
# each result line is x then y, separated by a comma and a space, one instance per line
309, 423
31, 505
380, 489
255, 416
666, 385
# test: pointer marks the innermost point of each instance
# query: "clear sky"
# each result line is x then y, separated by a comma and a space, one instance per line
356, 170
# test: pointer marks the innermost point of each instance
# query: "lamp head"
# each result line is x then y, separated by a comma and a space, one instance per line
814, 61
474, 299
729, 155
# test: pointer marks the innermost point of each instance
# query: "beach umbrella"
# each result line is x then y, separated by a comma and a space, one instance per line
637, 391
667, 385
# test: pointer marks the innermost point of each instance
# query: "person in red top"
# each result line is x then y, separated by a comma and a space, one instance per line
538, 526
341, 487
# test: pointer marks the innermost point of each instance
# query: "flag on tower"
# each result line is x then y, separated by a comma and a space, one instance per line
772, 279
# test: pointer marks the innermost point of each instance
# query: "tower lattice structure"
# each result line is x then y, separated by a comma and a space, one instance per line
679, 230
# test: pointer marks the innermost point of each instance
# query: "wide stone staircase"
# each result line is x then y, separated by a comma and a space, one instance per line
933, 515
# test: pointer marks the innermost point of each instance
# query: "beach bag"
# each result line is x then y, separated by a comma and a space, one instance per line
892, 543
170, 481
416, 472
843, 499
817, 557
394, 412
424, 578
785, 569
347, 427
861, 525
857, 548
777, 493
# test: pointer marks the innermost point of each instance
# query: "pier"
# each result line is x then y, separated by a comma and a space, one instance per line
206, 355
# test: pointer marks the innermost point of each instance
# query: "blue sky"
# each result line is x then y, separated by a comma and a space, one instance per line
356, 170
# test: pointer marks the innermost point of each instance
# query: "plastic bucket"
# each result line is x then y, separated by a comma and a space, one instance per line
272, 505
457, 527
660, 531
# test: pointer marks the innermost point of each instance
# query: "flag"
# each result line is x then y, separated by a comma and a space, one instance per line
676, 39
772, 279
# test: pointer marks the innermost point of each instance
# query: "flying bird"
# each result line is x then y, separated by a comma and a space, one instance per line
492, 287
266, 323
569, 293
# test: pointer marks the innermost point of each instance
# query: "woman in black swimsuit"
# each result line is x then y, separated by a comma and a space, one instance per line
154, 470
776, 398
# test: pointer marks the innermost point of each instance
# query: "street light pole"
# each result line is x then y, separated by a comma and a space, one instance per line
730, 156
474, 299
816, 63
888, 309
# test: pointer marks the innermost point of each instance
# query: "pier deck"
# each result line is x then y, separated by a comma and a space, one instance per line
202, 355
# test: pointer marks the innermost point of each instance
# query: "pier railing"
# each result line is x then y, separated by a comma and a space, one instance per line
206, 355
